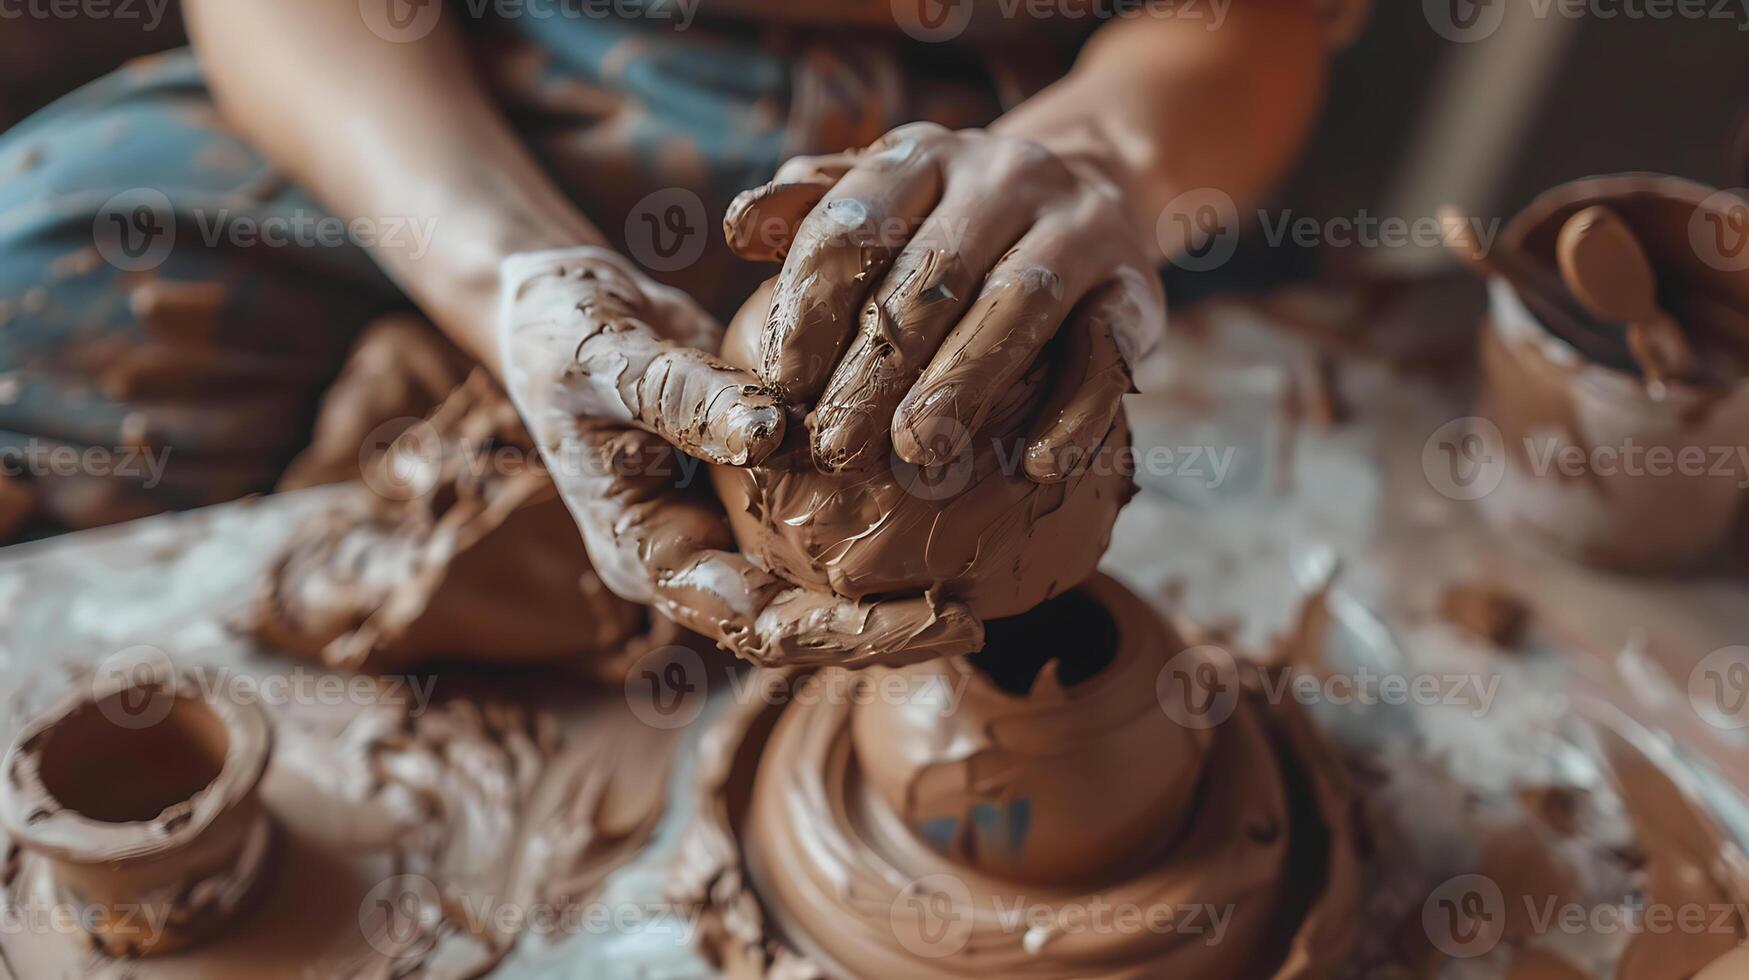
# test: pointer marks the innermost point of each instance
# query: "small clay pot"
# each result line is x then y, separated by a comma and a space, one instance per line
1598, 464
1076, 803
893, 829
140, 793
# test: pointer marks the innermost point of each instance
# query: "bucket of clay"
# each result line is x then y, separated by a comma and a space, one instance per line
1599, 464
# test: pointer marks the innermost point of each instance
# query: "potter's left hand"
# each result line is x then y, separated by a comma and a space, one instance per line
610, 371
927, 274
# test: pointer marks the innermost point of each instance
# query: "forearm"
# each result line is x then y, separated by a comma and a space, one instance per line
1166, 105
383, 130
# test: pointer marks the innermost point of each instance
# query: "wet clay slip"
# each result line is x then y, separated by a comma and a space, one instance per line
896, 830
976, 529
1592, 459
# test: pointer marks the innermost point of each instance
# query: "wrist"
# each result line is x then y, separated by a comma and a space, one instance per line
459, 282
1096, 147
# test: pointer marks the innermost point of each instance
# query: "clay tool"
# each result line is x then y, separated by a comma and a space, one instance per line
1606, 267
1540, 289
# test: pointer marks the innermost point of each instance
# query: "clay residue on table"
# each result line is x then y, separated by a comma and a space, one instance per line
455, 546
411, 843
802, 866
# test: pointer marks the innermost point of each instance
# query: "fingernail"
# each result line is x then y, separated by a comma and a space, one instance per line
750, 432
927, 431
840, 445
1049, 462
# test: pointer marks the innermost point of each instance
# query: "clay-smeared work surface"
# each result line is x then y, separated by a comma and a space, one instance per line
527, 824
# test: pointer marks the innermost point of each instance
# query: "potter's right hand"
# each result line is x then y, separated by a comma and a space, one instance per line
609, 371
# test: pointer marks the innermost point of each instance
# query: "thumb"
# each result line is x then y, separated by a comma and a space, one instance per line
761, 223
576, 343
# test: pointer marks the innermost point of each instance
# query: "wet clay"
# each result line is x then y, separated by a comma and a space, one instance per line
455, 546
1557, 407
382, 841
399, 369
120, 815
656, 533
1690, 862
1485, 611
899, 834
977, 529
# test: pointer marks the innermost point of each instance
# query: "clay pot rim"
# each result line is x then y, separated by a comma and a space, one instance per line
1599, 189
1111, 683
1602, 189
66, 834
1515, 324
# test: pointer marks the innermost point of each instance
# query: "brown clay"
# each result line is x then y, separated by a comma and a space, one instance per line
817, 850
978, 530
374, 841
137, 800
1547, 396
457, 547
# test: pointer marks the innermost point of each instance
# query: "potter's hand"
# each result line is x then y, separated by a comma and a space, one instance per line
609, 371
927, 275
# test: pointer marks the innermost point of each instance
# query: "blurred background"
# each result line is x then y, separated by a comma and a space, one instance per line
1478, 103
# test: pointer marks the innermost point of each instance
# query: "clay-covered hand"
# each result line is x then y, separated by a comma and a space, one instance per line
922, 277
610, 372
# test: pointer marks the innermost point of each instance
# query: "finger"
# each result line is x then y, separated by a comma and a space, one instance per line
1027, 296
768, 621
761, 223
929, 287
653, 542
1074, 420
613, 365
839, 251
